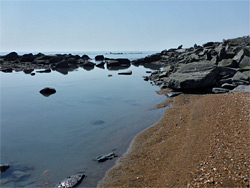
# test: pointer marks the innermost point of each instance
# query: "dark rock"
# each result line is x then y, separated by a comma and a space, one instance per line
71, 181
226, 72
4, 167
109, 75
208, 56
180, 47
72, 61
228, 86
125, 73
219, 90
215, 60
208, 44
88, 64
56, 59
239, 77
193, 76
225, 81
44, 71
148, 72
145, 78
99, 58
7, 70
245, 63
228, 63
47, 91
106, 157
85, 57
152, 58
121, 62
32, 74
100, 65
28, 71
62, 64
27, 58
11, 56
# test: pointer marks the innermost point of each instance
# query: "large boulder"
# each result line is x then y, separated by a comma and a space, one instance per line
243, 52
193, 76
62, 64
227, 63
85, 57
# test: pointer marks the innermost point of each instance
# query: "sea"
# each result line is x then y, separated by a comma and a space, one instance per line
46, 139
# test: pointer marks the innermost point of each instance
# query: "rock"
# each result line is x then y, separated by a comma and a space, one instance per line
226, 72
239, 77
245, 63
148, 72
72, 61
228, 63
243, 52
62, 64
71, 181
228, 86
85, 57
247, 73
215, 60
180, 47
99, 58
98, 122
106, 157
27, 58
28, 71
18, 175
121, 62
152, 58
109, 75
44, 71
225, 81
56, 59
88, 64
219, 90
208, 44
11, 56
100, 65
47, 91
4, 167
7, 70
129, 72
193, 76
32, 74
242, 88
173, 94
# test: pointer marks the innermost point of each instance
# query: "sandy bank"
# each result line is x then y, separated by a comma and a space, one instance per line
202, 140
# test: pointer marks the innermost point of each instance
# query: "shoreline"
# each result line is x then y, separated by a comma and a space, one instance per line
201, 140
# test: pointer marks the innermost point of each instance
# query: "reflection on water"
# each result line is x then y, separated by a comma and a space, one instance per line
90, 114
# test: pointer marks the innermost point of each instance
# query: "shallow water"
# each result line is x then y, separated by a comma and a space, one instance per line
89, 115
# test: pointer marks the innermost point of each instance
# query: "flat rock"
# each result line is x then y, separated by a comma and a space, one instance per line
220, 90
245, 63
106, 157
71, 181
242, 88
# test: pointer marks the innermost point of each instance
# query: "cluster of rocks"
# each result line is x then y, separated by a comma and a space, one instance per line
62, 63
214, 67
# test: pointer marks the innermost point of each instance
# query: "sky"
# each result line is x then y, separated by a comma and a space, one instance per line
118, 25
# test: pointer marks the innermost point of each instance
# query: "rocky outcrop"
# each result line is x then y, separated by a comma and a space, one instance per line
215, 67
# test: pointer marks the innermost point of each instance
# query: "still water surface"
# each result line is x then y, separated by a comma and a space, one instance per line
91, 114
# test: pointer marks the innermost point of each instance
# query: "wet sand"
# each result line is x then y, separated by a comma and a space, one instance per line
201, 140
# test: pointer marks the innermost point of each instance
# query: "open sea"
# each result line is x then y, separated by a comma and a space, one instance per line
47, 139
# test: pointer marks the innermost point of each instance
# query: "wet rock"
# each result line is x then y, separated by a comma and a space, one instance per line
44, 71
100, 65
125, 73
33, 74
28, 71
62, 64
56, 59
106, 157
71, 181
7, 70
98, 122
4, 167
99, 58
109, 75
72, 61
47, 91
88, 64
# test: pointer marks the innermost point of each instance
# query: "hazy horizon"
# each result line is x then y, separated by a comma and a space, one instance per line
84, 26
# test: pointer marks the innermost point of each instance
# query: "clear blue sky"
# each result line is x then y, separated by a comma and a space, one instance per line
74, 25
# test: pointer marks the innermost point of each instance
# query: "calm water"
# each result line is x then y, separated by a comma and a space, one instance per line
57, 135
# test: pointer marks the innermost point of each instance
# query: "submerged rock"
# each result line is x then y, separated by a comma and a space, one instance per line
47, 91
4, 167
125, 73
71, 181
104, 158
